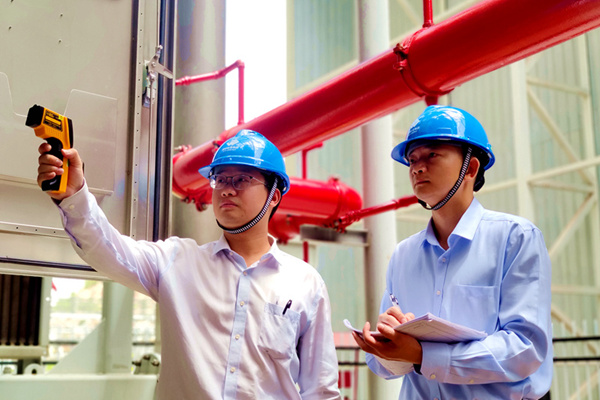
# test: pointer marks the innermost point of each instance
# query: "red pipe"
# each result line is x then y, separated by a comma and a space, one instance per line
305, 159
305, 249
342, 223
188, 80
312, 202
239, 64
427, 14
241, 68
488, 36
493, 34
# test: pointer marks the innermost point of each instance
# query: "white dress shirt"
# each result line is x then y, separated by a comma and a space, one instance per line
226, 332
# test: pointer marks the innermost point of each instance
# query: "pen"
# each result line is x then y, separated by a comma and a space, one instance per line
394, 300
288, 305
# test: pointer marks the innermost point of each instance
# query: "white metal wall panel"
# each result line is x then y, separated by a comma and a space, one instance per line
80, 59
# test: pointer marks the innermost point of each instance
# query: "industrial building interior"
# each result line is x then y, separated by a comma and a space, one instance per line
144, 84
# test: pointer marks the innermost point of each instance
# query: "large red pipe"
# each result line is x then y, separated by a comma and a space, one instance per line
312, 202
430, 62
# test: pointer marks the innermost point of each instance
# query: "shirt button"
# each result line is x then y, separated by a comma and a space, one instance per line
242, 304
443, 259
237, 337
432, 376
232, 370
71, 207
438, 292
245, 273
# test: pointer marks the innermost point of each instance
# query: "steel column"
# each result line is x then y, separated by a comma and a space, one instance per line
199, 109
377, 139
521, 139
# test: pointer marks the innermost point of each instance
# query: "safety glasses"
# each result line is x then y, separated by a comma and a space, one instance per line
239, 182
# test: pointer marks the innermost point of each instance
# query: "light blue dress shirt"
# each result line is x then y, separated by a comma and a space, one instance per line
494, 277
224, 331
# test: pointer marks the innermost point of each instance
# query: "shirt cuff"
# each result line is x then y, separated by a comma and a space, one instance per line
76, 204
436, 360
397, 368
73, 208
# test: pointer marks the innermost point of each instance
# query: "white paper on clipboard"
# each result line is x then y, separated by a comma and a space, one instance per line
427, 328
430, 328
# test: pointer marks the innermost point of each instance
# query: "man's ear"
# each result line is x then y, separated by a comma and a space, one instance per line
474, 165
276, 198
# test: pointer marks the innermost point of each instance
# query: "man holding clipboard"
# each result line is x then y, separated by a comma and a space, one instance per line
480, 269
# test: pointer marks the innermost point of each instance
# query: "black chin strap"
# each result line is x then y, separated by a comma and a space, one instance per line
255, 220
452, 191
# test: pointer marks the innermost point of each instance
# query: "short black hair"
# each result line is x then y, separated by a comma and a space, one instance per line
484, 159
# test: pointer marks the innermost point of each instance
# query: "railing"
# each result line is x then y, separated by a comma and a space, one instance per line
576, 366
351, 363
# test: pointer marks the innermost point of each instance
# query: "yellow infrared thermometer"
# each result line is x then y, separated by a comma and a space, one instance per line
57, 130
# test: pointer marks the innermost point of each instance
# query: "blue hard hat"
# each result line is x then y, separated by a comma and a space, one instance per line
445, 123
252, 149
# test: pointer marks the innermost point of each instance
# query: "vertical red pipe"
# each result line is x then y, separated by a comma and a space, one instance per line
239, 64
305, 176
305, 249
241, 67
427, 14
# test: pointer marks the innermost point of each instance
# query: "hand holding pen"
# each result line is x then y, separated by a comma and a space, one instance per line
394, 315
391, 344
394, 300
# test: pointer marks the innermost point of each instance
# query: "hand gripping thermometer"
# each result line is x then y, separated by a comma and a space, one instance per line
57, 130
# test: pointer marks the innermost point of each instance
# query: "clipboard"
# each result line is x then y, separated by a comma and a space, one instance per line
429, 328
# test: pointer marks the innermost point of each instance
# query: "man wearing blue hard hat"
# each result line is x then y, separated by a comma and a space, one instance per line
481, 269
240, 319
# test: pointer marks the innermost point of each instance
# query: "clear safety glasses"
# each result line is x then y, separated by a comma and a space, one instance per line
239, 182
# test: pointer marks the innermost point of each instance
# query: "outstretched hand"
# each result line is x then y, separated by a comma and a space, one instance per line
51, 166
398, 346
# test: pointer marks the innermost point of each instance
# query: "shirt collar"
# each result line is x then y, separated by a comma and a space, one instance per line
470, 221
275, 252
222, 245
466, 227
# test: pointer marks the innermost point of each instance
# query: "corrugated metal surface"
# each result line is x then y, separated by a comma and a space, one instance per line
327, 35
19, 310
575, 265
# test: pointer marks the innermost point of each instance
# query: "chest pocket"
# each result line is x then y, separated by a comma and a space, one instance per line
278, 331
476, 306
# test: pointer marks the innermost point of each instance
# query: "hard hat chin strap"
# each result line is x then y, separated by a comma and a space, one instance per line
452, 191
255, 220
